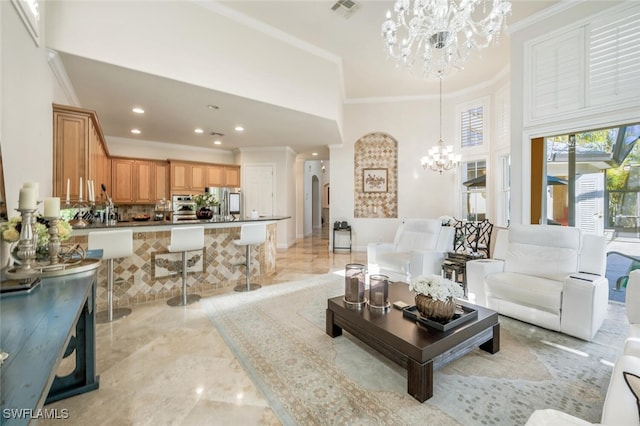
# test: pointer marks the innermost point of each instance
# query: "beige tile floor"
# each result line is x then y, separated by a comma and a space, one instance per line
168, 365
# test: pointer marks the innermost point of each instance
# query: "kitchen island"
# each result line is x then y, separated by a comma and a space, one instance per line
152, 273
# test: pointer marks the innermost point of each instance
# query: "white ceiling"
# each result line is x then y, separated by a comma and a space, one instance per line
174, 109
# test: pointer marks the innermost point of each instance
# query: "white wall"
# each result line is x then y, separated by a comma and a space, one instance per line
26, 117
414, 124
282, 159
190, 43
311, 168
166, 151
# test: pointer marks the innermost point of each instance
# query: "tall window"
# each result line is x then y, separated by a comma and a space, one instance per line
471, 130
474, 191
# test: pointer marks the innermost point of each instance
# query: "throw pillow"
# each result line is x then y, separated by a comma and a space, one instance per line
633, 382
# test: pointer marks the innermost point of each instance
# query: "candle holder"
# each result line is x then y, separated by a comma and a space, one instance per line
354, 285
379, 293
28, 241
54, 240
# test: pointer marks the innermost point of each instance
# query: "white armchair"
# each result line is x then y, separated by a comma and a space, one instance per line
419, 248
551, 276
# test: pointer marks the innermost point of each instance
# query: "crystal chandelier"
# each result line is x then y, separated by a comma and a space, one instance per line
440, 157
441, 33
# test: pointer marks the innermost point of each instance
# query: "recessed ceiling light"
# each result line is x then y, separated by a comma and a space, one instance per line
198, 130
314, 153
138, 110
217, 142
136, 131
239, 129
213, 107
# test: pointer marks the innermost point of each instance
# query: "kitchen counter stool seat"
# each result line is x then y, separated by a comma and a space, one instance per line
115, 244
250, 234
185, 239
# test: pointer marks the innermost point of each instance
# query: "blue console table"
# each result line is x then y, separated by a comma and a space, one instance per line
37, 331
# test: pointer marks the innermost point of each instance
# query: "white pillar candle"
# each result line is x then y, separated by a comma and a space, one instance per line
80, 194
27, 199
89, 189
35, 186
68, 200
52, 207
93, 191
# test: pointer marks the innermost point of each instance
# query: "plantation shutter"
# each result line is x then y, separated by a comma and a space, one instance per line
557, 74
614, 57
471, 127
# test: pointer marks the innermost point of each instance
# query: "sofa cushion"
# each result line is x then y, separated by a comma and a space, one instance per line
540, 293
544, 251
393, 261
418, 234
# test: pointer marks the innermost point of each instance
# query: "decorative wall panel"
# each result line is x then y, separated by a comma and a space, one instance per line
376, 176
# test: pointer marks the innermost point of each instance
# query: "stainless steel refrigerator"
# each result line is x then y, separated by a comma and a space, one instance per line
230, 202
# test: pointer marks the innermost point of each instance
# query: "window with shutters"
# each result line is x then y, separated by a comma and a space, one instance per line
474, 190
471, 127
614, 58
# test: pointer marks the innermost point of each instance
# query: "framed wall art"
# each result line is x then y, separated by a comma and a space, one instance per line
375, 180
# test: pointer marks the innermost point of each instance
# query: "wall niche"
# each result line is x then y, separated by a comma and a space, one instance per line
376, 176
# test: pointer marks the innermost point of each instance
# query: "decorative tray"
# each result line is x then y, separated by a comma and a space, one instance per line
462, 315
13, 287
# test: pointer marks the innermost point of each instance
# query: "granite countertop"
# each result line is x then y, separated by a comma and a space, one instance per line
164, 223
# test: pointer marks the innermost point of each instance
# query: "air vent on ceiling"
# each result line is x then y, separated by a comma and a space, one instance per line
216, 134
345, 7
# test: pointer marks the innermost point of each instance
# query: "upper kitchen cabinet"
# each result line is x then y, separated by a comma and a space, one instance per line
139, 181
232, 176
189, 177
79, 151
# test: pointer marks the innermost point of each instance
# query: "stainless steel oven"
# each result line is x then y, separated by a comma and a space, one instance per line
184, 209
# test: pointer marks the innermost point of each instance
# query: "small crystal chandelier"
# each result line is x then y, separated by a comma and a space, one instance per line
440, 157
441, 33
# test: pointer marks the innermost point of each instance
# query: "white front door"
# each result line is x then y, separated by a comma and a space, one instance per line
258, 189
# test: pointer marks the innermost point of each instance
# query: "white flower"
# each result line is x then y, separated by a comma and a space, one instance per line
437, 287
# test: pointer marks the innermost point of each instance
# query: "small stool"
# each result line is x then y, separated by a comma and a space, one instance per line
114, 245
250, 234
184, 239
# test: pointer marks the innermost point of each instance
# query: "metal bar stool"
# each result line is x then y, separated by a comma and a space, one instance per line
184, 239
114, 245
250, 234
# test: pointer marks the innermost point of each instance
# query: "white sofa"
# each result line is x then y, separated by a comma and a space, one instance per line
620, 404
551, 276
419, 248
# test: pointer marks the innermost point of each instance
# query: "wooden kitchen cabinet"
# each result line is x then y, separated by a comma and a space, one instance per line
189, 177
180, 178
215, 175
198, 177
161, 176
79, 151
232, 176
138, 181
123, 177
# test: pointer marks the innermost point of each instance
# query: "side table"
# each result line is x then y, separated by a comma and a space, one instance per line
347, 229
454, 267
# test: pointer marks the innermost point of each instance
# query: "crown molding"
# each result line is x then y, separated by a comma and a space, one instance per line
60, 73
543, 15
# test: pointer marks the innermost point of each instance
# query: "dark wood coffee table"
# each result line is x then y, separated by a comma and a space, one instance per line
412, 346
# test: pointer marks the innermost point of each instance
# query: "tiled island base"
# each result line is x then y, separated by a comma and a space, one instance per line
152, 273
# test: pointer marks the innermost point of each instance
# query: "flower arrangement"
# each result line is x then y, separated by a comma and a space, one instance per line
447, 220
439, 288
10, 230
205, 200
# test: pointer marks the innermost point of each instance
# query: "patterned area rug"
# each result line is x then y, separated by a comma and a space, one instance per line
278, 335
